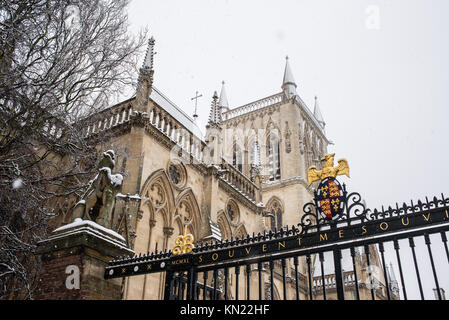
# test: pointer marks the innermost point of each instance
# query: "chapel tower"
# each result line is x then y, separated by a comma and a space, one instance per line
284, 138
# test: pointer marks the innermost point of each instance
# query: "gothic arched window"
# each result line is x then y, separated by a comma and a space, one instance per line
254, 152
276, 211
237, 157
274, 157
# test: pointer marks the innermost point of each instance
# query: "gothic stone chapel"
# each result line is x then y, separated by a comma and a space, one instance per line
246, 175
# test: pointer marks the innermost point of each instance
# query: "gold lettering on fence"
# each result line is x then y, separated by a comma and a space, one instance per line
281, 244
180, 261
264, 248
323, 237
215, 256
340, 234
426, 218
364, 230
231, 255
299, 242
405, 224
201, 259
248, 250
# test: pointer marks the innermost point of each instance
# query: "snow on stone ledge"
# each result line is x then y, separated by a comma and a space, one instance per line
135, 197
78, 223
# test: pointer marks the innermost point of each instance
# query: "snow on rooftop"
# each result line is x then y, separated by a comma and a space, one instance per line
176, 112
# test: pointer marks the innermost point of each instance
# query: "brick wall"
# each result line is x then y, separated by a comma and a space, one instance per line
53, 276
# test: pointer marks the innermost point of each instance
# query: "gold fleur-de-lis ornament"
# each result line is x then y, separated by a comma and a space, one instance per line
184, 244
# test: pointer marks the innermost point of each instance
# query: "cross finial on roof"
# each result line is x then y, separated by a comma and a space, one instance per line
196, 97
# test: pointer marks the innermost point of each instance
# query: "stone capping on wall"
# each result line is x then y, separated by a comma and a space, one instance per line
286, 182
85, 233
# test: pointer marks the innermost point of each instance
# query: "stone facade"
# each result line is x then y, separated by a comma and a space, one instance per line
248, 175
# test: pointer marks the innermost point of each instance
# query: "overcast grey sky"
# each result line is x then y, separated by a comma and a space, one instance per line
379, 68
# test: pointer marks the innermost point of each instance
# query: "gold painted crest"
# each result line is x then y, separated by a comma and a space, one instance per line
328, 170
184, 244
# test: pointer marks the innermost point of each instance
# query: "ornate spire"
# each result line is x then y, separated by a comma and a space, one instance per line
145, 81
148, 62
223, 102
317, 113
288, 83
215, 111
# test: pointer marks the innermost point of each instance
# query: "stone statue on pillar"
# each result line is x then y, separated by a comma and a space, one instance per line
97, 204
86, 245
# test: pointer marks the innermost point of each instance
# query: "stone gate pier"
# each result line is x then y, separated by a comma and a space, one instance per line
74, 258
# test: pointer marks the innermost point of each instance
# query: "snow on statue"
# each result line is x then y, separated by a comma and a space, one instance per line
98, 202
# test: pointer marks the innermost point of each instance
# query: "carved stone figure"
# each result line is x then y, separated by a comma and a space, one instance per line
98, 202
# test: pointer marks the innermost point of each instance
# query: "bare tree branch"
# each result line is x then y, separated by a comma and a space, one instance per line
60, 62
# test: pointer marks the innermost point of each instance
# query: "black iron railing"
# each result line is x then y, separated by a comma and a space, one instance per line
292, 258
